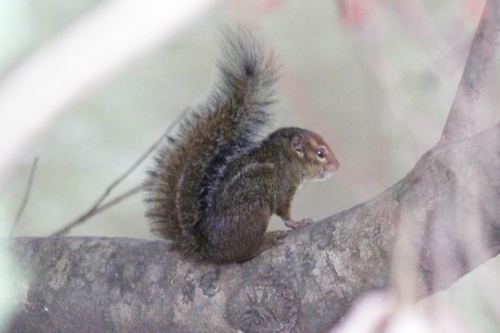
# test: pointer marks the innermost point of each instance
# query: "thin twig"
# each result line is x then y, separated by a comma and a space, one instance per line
26, 197
462, 119
97, 210
125, 174
98, 207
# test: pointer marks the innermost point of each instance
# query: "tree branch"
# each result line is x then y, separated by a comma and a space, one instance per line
98, 206
307, 283
462, 119
303, 285
97, 209
26, 196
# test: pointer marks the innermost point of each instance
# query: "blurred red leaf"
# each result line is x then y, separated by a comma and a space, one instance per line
473, 8
354, 13
268, 6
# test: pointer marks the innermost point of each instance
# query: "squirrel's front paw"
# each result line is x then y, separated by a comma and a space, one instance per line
272, 238
298, 224
277, 236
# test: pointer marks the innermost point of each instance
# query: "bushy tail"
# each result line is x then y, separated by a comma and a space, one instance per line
186, 171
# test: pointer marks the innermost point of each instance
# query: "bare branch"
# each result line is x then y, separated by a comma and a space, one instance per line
96, 207
462, 119
26, 196
306, 284
96, 210
118, 180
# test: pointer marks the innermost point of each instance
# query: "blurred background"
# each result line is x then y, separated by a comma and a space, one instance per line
375, 78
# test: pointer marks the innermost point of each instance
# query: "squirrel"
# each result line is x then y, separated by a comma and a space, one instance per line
215, 185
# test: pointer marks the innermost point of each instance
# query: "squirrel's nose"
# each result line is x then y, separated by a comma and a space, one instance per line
334, 164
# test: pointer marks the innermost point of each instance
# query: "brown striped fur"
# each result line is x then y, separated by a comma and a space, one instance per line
214, 187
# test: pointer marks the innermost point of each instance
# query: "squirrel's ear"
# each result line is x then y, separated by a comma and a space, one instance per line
296, 143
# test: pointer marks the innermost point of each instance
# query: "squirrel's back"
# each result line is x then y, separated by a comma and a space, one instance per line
188, 169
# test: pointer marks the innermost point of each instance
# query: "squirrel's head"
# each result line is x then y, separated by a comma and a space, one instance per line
308, 149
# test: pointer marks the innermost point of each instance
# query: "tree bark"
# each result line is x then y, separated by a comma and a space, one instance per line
439, 222
305, 284
463, 119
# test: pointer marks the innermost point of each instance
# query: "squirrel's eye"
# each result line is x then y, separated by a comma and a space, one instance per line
322, 152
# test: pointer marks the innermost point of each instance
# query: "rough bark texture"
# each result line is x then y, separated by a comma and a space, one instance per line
445, 214
462, 120
304, 285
